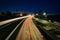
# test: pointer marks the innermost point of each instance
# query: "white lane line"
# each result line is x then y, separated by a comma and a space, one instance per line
13, 30
7, 21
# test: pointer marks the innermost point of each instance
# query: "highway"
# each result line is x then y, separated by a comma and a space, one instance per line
24, 28
28, 28
20, 29
29, 31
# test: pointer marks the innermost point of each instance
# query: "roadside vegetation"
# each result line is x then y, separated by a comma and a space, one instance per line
52, 27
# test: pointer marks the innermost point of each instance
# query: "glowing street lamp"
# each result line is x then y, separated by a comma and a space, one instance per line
37, 14
45, 14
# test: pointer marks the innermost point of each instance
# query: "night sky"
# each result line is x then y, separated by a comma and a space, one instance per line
30, 5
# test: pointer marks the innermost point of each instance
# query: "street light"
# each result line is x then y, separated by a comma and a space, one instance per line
45, 15
36, 13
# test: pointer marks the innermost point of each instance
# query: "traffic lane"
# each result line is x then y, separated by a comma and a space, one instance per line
14, 31
27, 33
4, 32
20, 34
35, 31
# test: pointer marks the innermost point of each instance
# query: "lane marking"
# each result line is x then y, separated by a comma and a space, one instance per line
7, 38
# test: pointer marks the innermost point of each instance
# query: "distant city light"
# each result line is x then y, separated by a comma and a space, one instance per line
36, 14
44, 13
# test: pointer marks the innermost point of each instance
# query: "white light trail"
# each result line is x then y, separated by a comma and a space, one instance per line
7, 21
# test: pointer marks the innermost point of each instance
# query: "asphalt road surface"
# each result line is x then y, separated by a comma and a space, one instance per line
29, 31
6, 29
20, 30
